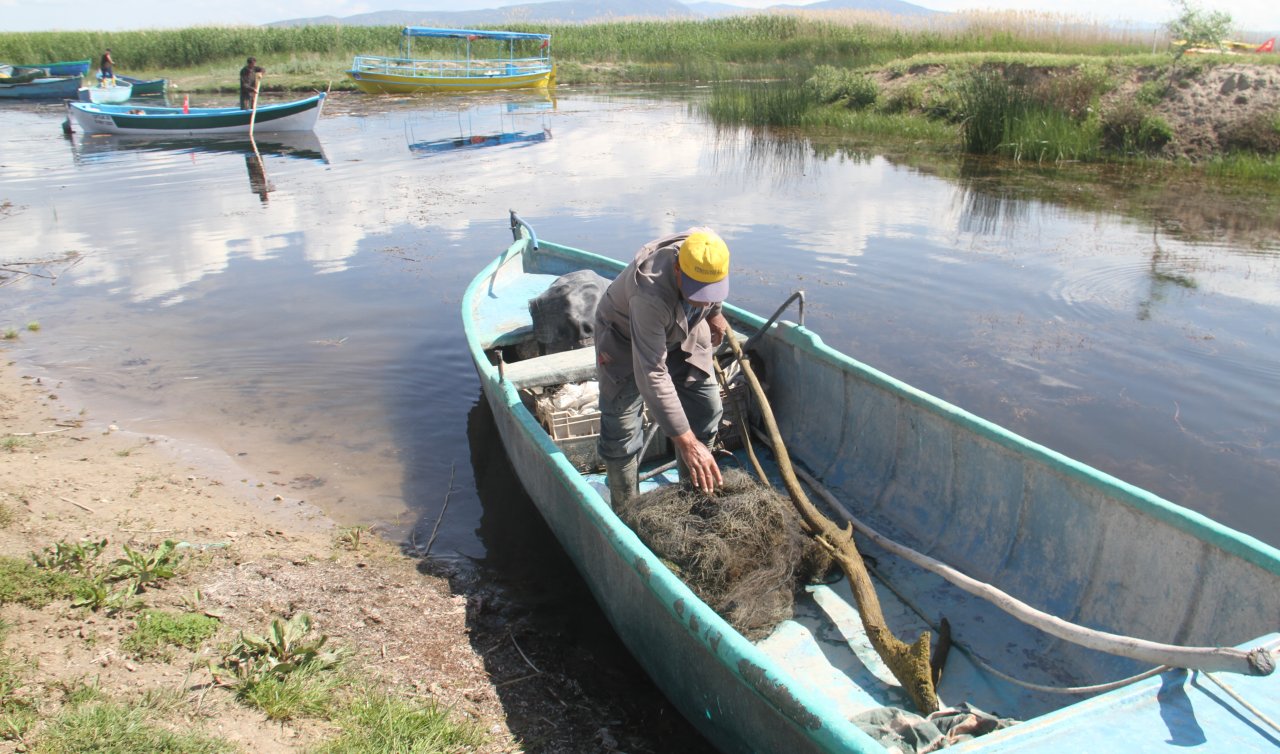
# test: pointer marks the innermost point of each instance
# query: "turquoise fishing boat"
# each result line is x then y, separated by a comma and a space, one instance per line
44, 87
1075, 601
66, 67
142, 120
145, 87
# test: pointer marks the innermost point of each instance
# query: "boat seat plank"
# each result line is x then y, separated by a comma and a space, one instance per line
552, 369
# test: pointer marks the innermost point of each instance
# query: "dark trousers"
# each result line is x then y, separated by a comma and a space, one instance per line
621, 414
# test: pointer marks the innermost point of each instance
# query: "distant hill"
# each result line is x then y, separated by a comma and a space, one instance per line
564, 11
896, 7
582, 11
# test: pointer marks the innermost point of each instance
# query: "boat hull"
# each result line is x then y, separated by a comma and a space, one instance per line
66, 67
143, 87
64, 87
386, 83
112, 94
172, 121
1077, 542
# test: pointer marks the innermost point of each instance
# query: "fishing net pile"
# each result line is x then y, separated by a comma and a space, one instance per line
742, 551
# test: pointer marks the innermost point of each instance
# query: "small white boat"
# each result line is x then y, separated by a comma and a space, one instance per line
111, 91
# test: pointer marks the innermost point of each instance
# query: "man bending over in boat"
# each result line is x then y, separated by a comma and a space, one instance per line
657, 326
250, 78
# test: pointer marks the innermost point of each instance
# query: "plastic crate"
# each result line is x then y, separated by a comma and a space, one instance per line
564, 425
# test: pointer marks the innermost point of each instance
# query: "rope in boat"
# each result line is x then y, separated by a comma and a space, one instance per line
987, 666
1254, 661
1259, 661
1239, 699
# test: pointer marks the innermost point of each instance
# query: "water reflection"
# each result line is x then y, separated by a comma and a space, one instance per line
515, 123
112, 147
1086, 308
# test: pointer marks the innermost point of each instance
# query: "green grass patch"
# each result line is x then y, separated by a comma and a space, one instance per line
116, 728
308, 691
1246, 167
17, 712
13, 443
377, 723
23, 583
7, 515
159, 630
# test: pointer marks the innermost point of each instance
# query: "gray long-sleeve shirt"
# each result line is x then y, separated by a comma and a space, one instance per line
641, 318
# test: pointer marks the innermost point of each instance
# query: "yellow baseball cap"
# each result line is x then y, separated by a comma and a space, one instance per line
704, 267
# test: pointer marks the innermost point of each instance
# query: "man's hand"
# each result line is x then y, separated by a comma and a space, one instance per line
719, 326
704, 474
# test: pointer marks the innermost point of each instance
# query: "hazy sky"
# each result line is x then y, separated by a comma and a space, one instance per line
37, 15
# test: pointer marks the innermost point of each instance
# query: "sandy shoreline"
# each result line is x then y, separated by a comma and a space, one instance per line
65, 477
532, 680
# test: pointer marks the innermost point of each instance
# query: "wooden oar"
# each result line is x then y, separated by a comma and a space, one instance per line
908, 663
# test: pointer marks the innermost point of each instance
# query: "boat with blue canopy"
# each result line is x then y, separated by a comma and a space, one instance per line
482, 60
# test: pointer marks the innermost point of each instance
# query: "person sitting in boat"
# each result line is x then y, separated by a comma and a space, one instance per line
250, 78
657, 326
106, 67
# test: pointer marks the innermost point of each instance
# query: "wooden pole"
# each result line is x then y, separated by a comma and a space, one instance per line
257, 83
908, 663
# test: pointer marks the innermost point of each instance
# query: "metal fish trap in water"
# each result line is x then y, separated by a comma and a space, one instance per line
742, 551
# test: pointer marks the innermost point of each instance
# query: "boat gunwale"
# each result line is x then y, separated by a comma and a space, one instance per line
149, 112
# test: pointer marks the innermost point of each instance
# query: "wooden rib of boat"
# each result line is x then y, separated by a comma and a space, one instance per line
485, 60
299, 115
107, 92
48, 87
1060, 535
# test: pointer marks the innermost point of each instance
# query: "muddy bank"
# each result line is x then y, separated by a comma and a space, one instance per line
420, 630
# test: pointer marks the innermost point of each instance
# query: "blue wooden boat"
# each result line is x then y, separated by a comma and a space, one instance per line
106, 92
144, 87
299, 115
65, 67
512, 60
47, 87
1056, 534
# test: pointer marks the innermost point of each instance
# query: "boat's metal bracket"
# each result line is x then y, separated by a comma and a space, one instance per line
796, 296
517, 224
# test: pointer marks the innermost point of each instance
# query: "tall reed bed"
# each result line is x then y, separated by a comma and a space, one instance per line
1025, 123
783, 42
190, 47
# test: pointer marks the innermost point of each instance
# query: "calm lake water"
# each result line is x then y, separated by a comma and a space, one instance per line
301, 313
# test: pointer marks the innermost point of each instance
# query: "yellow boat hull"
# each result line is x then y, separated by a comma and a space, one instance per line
387, 83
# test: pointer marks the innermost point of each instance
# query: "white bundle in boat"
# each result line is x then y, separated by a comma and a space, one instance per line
576, 397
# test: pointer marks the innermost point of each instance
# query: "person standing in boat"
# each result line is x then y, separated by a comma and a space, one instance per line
250, 79
106, 67
656, 329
